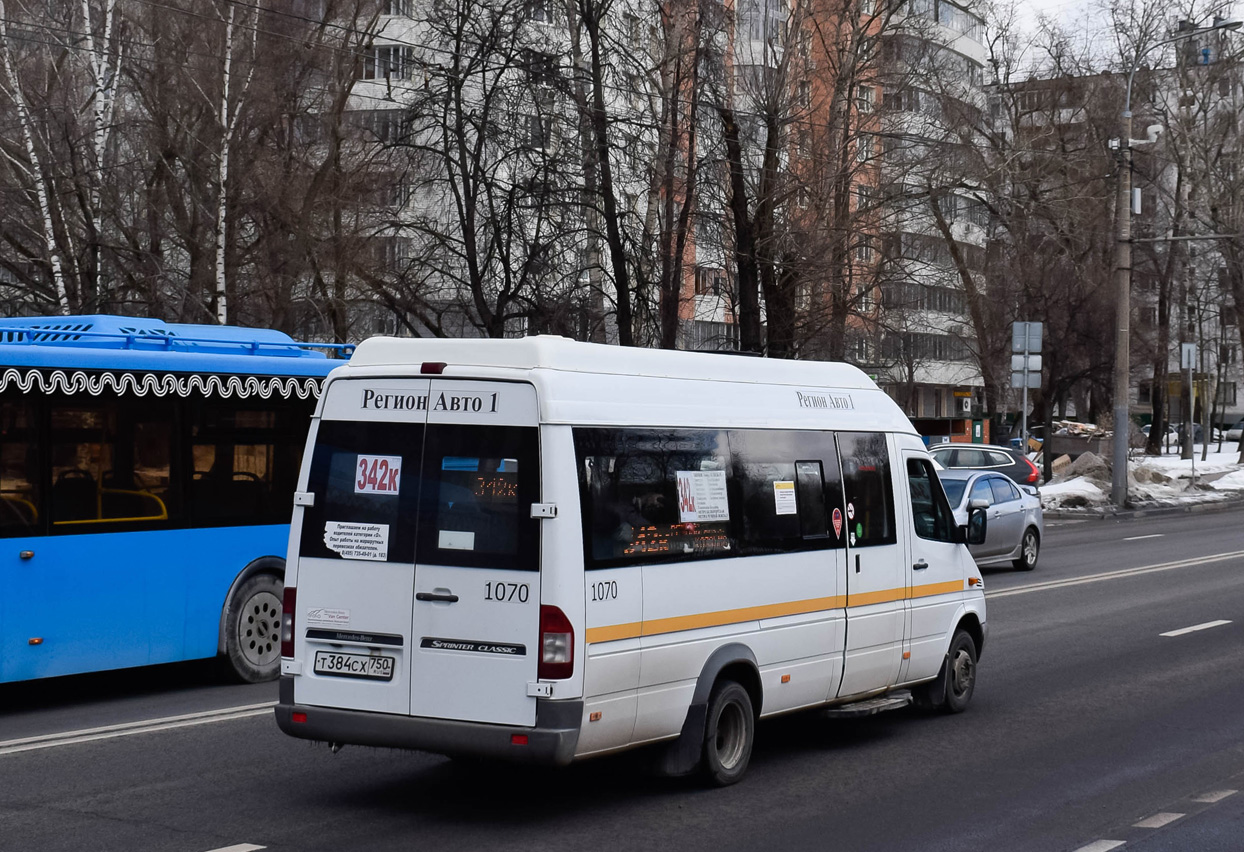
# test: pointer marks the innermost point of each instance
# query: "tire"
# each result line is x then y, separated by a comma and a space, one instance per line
958, 675
1029, 549
729, 732
253, 629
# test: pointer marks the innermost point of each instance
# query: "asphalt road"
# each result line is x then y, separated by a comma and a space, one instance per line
1089, 730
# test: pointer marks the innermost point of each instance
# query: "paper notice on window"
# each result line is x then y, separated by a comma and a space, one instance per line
702, 496
784, 498
357, 541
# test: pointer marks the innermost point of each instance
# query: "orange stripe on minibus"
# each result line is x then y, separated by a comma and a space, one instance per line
674, 624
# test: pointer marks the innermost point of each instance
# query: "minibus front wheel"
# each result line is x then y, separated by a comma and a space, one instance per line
729, 732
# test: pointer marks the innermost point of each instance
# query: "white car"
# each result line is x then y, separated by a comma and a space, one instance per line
1234, 433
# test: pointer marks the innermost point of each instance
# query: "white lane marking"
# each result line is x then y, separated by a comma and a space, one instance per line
1113, 575
1206, 626
1157, 820
1214, 797
1143, 537
239, 847
1101, 846
126, 729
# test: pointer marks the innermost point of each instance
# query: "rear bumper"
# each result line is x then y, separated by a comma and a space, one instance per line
552, 741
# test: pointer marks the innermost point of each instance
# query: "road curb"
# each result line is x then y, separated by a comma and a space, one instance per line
1111, 514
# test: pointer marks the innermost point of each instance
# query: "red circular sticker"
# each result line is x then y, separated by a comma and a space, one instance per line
837, 522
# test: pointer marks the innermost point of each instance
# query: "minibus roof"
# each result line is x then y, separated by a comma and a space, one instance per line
703, 388
551, 352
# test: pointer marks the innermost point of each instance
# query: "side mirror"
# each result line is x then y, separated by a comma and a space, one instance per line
976, 524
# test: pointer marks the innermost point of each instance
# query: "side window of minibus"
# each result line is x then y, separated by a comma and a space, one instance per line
655, 495
930, 513
782, 481
869, 493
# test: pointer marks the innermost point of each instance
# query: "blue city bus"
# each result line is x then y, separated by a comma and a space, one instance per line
147, 472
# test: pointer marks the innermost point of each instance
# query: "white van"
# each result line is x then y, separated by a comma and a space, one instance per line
543, 550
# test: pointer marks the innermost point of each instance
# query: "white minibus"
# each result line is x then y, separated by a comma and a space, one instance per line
543, 550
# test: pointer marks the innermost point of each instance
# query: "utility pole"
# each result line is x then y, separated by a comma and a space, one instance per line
1123, 258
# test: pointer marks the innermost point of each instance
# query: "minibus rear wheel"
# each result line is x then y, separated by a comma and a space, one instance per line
729, 732
253, 629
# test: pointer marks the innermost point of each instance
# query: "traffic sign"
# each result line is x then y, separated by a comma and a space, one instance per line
1026, 337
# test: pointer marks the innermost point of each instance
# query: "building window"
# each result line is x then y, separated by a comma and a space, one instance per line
385, 125
391, 254
542, 70
539, 133
864, 149
709, 282
864, 98
388, 62
864, 298
395, 7
540, 11
864, 251
708, 231
1226, 394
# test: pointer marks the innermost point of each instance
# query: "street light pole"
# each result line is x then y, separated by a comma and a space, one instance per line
1123, 271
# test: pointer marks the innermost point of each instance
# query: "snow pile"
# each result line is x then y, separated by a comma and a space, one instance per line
1152, 480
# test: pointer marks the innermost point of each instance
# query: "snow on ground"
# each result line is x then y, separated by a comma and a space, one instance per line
1164, 480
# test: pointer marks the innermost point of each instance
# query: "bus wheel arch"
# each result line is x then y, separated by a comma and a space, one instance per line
249, 641
733, 663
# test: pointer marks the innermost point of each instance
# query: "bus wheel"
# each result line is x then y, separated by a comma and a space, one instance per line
253, 629
729, 732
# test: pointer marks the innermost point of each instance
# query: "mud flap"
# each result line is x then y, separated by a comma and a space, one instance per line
683, 755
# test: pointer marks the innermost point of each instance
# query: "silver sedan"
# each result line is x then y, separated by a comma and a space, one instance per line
1015, 525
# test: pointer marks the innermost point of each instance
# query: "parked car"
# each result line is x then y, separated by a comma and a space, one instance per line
1016, 524
1234, 433
1198, 433
1172, 435
1005, 460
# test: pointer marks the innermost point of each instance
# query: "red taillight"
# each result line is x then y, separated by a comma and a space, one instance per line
300, 718
1033, 473
556, 645
289, 600
518, 739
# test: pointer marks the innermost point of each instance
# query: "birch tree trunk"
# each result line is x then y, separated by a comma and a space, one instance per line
105, 72
228, 124
34, 173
